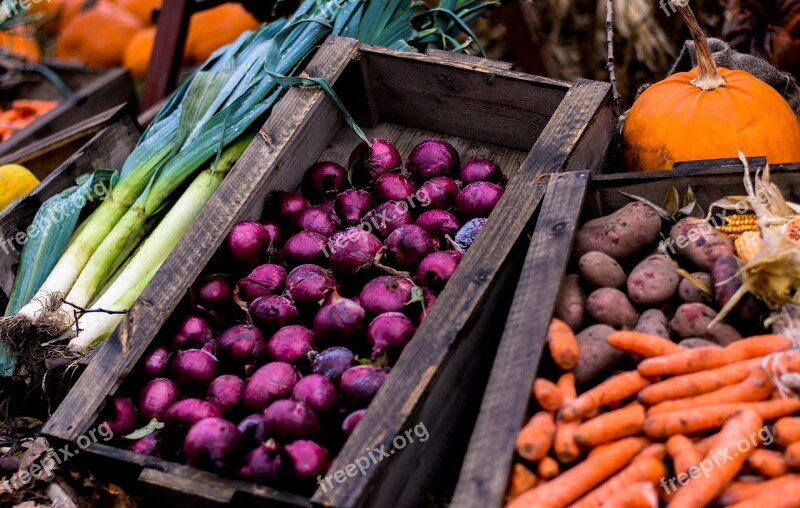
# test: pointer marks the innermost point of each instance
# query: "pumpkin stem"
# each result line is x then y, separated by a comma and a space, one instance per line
708, 78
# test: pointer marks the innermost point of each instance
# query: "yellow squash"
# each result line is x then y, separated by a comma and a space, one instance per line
15, 182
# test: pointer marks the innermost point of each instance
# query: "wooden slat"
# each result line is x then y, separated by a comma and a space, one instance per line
475, 61
484, 476
441, 333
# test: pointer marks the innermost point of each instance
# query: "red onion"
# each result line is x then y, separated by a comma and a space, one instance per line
392, 330
467, 235
353, 249
241, 345
351, 420
214, 294
439, 223
480, 169
333, 362
317, 392
408, 245
441, 191
157, 397
272, 312
147, 445
290, 344
437, 268
360, 384
477, 200
323, 181
194, 332
247, 243
339, 318
393, 187
367, 163
275, 232
190, 411
226, 392
289, 419
305, 247
273, 381
430, 299
432, 158
317, 219
353, 204
156, 364
264, 464
389, 216
122, 416
286, 204
195, 368
263, 281
309, 285
212, 443
387, 294
252, 428
308, 459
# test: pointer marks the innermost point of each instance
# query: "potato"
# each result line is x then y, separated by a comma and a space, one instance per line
601, 270
692, 319
570, 302
611, 307
653, 281
597, 356
698, 242
694, 342
653, 322
726, 277
622, 234
690, 293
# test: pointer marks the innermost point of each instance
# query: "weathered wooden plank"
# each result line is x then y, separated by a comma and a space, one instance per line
474, 61
483, 478
441, 333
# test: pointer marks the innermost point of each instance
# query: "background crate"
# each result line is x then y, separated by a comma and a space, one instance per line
487, 465
530, 125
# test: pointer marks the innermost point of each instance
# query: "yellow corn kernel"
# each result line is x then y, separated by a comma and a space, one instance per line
738, 224
747, 245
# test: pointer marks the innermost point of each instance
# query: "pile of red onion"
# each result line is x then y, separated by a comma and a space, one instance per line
279, 350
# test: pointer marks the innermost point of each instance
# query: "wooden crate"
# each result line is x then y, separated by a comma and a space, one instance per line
107, 148
571, 199
94, 91
532, 126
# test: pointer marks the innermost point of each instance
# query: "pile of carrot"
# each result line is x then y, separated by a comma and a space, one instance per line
21, 113
687, 428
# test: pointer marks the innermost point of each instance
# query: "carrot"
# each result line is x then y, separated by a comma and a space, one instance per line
564, 445
566, 384
653, 451
572, 484
687, 421
563, 345
640, 470
613, 389
703, 446
635, 495
547, 394
768, 463
611, 426
761, 345
522, 480
737, 492
792, 455
535, 438
696, 383
704, 488
548, 468
755, 387
642, 344
786, 431
683, 453
784, 495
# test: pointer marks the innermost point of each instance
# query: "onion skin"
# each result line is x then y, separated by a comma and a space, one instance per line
469, 233
289, 419
480, 169
437, 268
351, 420
157, 397
194, 332
368, 163
122, 418
317, 219
275, 232
323, 181
309, 285
272, 312
157, 362
393, 187
353, 204
264, 280
305, 248
360, 384
339, 318
286, 204
252, 428
212, 443
264, 464
190, 411
477, 200
387, 293
147, 445
392, 330
441, 191
388, 216
247, 243
317, 392
432, 158
226, 392
241, 345
213, 294
291, 344
333, 362
409, 245
308, 459
439, 223
195, 368
353, 249
271, 382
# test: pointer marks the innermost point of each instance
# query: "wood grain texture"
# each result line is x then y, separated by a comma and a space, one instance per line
475, 62
487, 464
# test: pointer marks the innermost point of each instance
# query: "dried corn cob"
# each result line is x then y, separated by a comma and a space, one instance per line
737, 224
747, 245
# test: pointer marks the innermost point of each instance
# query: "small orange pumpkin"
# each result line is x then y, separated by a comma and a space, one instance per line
99, 36
210, 30
139, 51
708, 113
17, 42
142, 9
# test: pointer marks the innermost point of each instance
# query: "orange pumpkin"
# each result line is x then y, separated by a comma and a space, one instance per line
142, 9
98, 37
138, 53
20, 44
210, 30
708, 113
